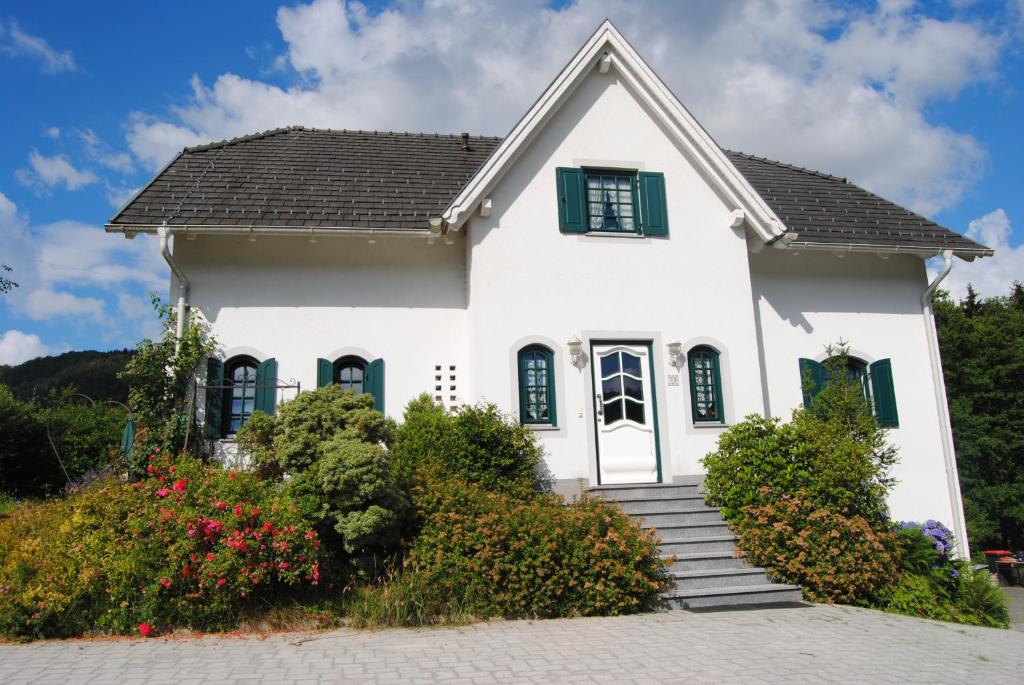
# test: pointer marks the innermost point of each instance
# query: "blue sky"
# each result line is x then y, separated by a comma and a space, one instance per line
920, 102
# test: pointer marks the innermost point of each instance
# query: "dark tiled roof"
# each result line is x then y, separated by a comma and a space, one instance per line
300, 177
315, 178
825, 209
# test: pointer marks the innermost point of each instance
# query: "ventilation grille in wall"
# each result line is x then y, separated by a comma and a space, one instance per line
446, 386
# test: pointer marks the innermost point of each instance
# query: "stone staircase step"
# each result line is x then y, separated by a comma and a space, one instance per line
739, 595
664, 506
708, 543
692, 530
719, 578
679, 518
625, 493
704, 561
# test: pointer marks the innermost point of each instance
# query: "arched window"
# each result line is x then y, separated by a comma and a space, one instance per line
537, 386
856, 372
705, 385
239, 393
350, 373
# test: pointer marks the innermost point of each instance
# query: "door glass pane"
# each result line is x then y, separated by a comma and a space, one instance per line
631, 364
610, 388
634, 387
635, 411
609, 364
612, 412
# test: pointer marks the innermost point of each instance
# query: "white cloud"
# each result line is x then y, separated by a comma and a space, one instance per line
44, 304
990, 276
49, 172
98, 151
52, 132
72, 271
118, 195
17, 43
17, 347
844, 90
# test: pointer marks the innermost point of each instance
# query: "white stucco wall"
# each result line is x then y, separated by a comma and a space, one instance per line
399, 299
808, 300
526, 278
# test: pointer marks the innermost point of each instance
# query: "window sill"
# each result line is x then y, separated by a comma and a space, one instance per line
541, 427
612, 234
710, 424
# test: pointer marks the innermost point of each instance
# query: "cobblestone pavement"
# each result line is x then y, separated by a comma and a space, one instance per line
803, 644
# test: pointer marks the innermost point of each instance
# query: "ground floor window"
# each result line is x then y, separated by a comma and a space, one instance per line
536, 386
240, 392
349, 373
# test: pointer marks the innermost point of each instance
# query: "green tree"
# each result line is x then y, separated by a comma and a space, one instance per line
982, 342
5, 283
160, 377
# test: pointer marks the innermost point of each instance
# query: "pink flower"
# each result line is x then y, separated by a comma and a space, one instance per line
237, 509
221, 505
145, 629
210, 556
254, 512
166, 583
283, 565
221, 581
162, 492
179, 485
231, 475
268, 528
149, 469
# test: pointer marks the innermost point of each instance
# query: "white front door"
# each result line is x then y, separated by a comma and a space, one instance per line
627, 443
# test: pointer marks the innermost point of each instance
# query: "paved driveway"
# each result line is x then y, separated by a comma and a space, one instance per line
810, 644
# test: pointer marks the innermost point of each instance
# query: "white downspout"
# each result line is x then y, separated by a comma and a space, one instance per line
942, 405
183, 284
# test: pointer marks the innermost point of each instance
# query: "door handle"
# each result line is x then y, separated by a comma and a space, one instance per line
600, 405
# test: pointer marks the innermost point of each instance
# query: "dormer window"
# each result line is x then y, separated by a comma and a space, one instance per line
611, 201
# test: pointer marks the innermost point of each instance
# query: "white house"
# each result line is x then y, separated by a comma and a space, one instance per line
605, 272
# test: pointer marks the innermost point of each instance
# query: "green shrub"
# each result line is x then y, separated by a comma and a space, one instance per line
477, 444
329, 442
917, 552
7, 504
917, 595
978, 601
495, 554
405, 600
86, 436
187, 546
834, 556
760, 459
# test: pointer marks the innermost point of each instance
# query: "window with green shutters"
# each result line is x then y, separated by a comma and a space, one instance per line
705, 385
240, 393
354, 373
537, 386
611, 201
874, 379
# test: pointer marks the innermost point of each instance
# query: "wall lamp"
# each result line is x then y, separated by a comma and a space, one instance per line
575, 346
675, 354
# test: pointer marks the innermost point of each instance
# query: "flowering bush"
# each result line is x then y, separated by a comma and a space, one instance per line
495, 554
187, 546
835, 556
940, 536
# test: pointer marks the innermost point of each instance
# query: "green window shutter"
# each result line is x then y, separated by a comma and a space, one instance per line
884, 394
653, 204
324, 373
373, 383
813, 377
128, 438
214, 397
266, 386
572, 206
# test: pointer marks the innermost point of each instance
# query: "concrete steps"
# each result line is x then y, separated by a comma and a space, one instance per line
708, 570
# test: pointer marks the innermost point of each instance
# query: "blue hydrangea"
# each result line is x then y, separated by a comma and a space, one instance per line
941, 536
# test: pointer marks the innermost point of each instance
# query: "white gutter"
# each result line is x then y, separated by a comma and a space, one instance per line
942, 405
183, 285
252, 231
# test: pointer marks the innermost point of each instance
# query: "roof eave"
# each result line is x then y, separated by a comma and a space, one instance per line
292, 231
966, 253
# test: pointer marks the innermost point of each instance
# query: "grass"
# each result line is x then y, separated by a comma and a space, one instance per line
7, 503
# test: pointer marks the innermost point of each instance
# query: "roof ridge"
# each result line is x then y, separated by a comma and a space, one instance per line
786, 165
311, 129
